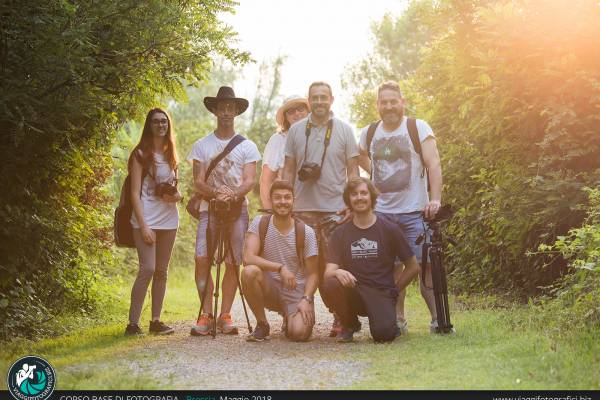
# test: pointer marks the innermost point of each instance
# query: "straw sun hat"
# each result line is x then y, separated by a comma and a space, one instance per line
288, 103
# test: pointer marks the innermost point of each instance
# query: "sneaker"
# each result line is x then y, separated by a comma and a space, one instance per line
159, 328
133, 329
284, 327
203, 326
336, 328
225, 325
260, 333
434, 328
345, 336
402, 327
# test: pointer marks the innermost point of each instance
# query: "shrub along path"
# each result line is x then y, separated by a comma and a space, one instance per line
505, 348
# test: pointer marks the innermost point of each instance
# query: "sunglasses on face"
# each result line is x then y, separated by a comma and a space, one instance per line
293, 110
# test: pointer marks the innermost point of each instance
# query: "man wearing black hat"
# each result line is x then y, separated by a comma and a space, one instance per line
228, 181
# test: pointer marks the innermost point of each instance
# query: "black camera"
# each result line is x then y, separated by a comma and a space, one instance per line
165, 188
220, 205
445, 212
329, 223
330, 219
309, 171
220, 210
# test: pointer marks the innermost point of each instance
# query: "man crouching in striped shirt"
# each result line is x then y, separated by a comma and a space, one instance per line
280, 268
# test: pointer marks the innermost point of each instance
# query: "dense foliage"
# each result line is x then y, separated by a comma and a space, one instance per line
70, 74
512, 90
576, 300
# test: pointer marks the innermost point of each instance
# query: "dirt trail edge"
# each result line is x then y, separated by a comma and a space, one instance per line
229, 362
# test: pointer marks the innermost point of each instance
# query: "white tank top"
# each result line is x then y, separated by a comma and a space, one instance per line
158, 214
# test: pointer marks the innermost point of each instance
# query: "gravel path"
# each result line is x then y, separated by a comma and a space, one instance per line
229, 362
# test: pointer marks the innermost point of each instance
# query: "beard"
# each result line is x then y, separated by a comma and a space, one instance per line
361, 205
393, 116
282, 211
321, 111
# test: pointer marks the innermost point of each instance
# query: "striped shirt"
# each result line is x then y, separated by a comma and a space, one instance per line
281, 248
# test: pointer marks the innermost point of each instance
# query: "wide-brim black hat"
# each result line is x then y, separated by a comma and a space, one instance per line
225, 93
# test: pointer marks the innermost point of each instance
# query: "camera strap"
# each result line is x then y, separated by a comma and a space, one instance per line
327, 139
237, 139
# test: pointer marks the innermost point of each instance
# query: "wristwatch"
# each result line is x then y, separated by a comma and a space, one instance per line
310, 299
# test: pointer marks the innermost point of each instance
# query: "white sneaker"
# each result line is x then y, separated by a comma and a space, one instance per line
433, 327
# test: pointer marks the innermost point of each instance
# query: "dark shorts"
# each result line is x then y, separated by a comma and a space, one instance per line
281, 300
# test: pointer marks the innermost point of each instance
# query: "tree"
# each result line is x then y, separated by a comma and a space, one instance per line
397, 42
511, 96
70, 75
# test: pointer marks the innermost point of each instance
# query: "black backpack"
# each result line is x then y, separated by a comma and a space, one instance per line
123, 230
413, 132
299, 227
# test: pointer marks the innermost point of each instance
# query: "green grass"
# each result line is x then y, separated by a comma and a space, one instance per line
88, 343
494, 348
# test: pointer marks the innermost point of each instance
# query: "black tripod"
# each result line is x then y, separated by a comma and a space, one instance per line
221, 244
433, 250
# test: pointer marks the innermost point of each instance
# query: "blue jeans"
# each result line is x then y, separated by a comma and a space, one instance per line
411, 225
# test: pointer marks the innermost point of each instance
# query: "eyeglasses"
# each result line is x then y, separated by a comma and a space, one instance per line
293, 110
160, 122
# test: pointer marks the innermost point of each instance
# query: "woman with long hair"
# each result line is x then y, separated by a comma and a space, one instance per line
153, 169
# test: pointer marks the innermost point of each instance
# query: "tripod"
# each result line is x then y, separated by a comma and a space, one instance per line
222, 246
433, 251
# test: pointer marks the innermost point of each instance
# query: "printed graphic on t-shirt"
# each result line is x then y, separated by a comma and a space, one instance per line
222, 174
363, 248
392, 161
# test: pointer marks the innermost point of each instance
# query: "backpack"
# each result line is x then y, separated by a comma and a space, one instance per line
413, 132
299, 227
123, 230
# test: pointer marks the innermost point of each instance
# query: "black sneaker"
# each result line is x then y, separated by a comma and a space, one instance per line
260, 333
158, 328
133, 329
345, 336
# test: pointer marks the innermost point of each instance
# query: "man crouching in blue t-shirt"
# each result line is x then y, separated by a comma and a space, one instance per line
359, 277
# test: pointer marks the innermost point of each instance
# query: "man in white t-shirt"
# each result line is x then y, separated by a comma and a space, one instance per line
293, 109
280, 270
399, 174
230, 181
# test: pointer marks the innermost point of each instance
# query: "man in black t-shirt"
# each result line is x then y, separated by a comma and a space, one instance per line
359, 277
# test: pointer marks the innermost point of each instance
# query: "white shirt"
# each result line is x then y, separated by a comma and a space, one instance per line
274, 155
229, 170
157, 213
397, 168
